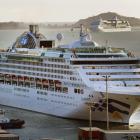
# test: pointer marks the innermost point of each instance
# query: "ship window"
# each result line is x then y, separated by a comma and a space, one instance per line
82, 91
65, 89
105, 62
46, 44
77, 90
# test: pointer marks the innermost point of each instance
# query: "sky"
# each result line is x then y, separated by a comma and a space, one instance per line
64, 10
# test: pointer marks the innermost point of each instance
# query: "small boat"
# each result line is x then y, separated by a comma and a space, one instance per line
6, 123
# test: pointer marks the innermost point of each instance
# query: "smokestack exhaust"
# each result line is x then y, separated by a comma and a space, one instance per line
34, 29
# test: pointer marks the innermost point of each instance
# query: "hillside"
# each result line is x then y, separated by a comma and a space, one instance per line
22, 25
13, 25
109, 15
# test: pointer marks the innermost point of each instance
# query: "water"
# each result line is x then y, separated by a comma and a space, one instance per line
40, 125
128, 40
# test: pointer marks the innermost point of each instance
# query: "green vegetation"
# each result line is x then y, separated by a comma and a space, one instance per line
24, 58
89, 50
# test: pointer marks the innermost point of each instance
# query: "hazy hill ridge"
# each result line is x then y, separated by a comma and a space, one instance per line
24, 25
109, 15
87, 22
13, 25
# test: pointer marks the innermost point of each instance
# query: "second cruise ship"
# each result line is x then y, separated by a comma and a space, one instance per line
111, 25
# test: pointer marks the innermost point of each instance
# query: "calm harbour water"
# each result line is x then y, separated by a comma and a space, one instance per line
40, 125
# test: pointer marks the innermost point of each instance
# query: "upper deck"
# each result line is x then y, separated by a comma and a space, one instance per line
34, 47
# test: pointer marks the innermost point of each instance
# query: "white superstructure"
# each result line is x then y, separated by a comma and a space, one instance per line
112, 25
37, 76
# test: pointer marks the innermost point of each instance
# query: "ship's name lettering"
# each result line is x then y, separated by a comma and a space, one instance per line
25, 96
21, 89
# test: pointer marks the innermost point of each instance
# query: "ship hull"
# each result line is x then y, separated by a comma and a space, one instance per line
67, 106
101, 29
115, 30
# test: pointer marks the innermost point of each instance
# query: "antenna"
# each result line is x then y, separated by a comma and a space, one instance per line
81, 30
106, 43
106, 46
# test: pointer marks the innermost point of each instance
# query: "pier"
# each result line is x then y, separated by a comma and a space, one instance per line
101, 134
5, 135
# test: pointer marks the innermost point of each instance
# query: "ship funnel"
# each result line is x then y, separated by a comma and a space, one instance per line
81, 30
34, 29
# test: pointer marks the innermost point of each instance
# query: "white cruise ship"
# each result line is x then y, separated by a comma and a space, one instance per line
112, 25
35, 75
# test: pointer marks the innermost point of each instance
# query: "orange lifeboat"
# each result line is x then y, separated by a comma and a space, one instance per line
7, 77
1, 76
20, 78
45, 82
32, 79
38, 81
57, 83
26, 79
14, 78
51, 83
